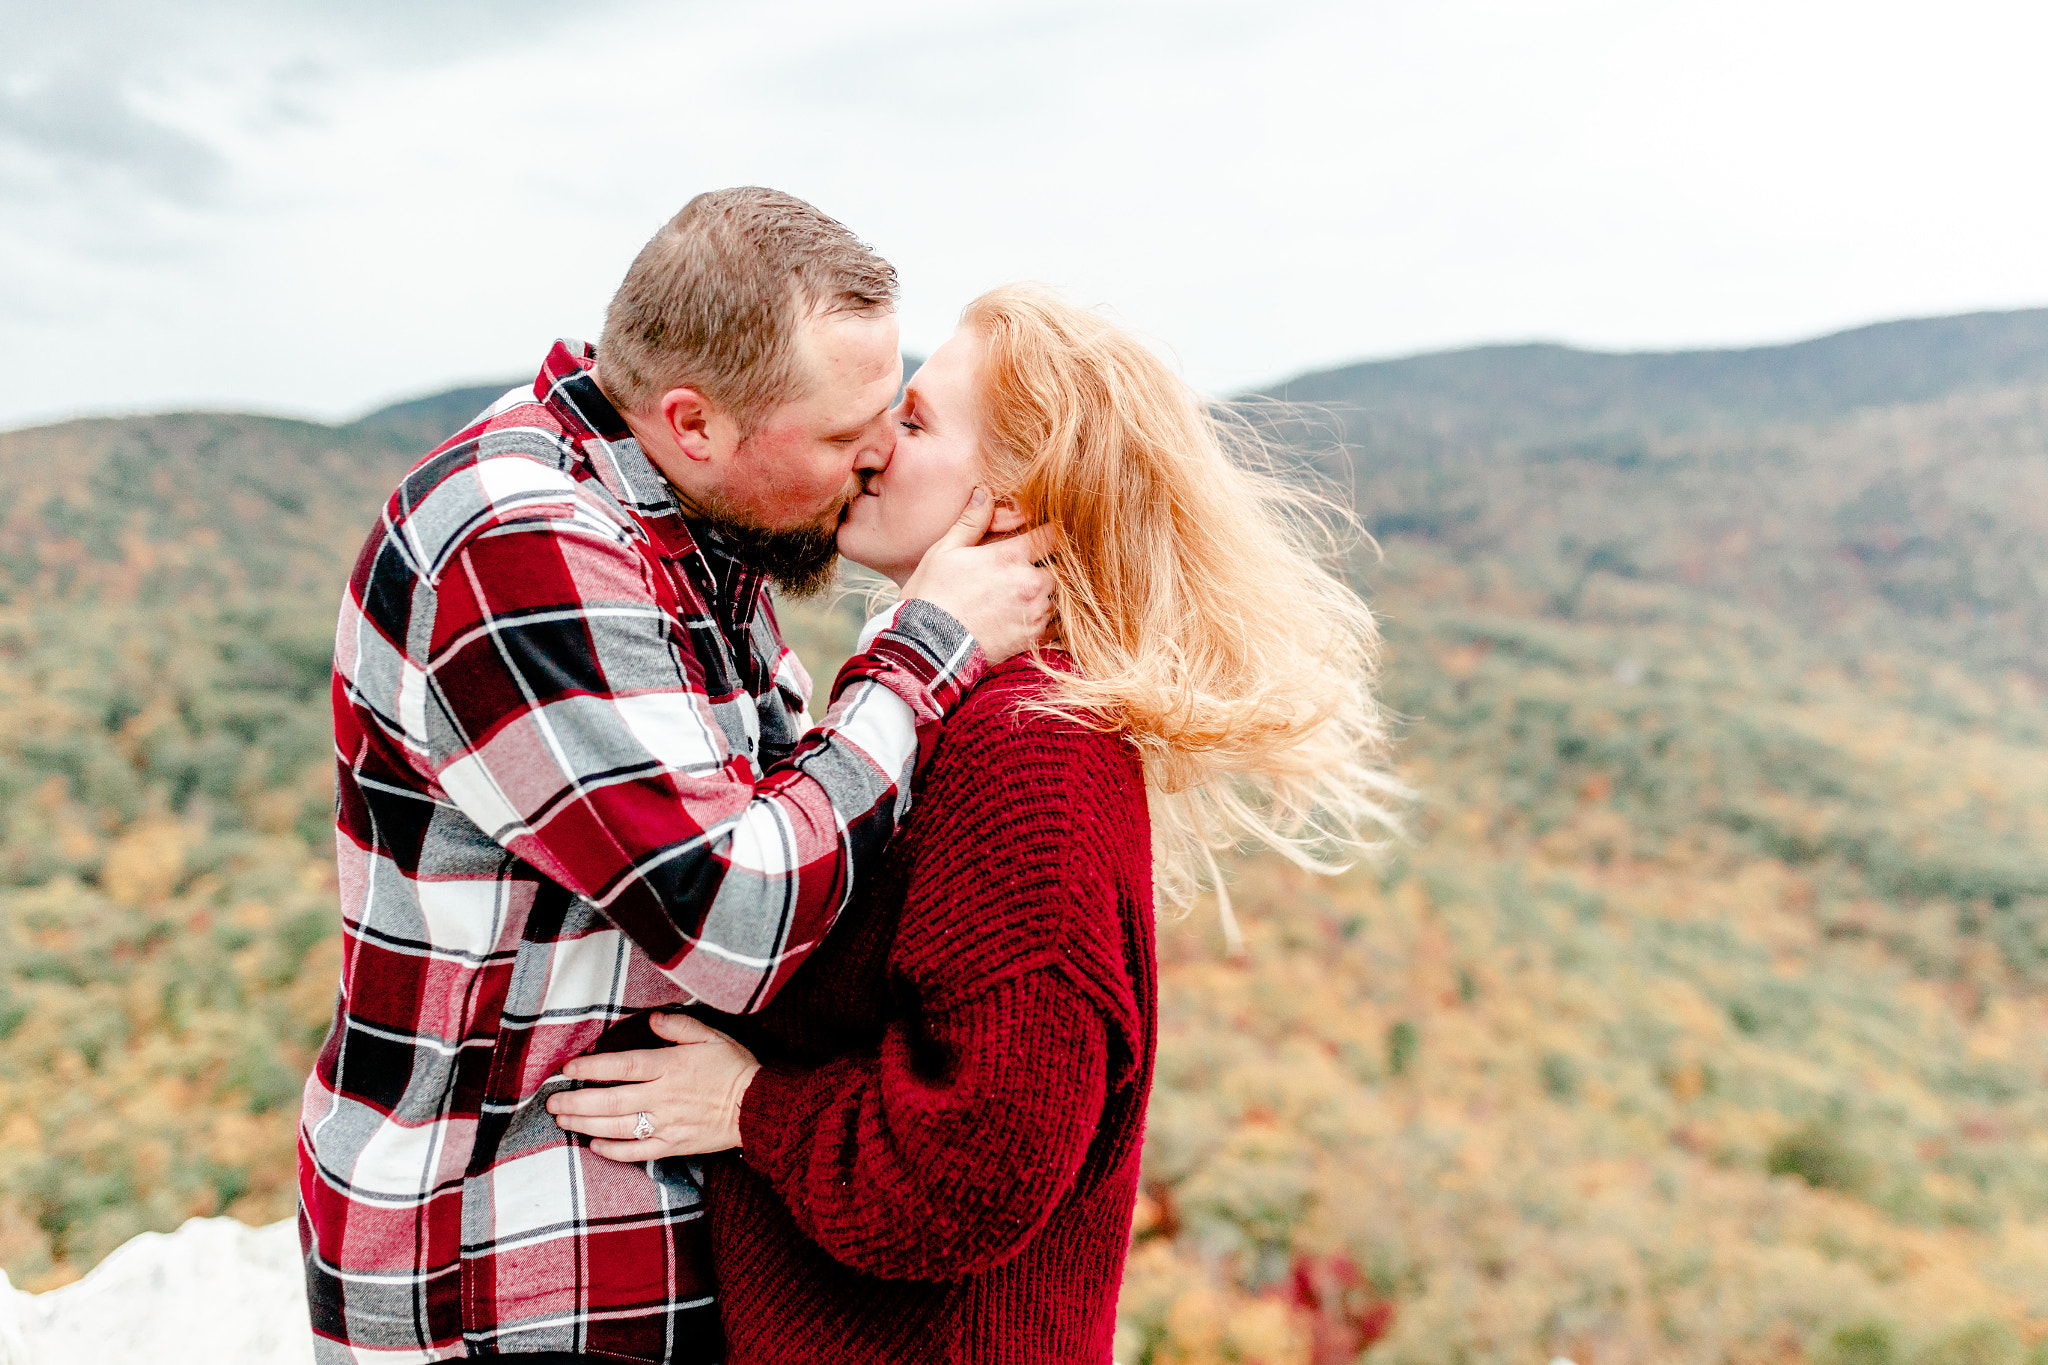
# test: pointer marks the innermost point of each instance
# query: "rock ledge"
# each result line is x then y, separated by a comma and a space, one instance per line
215, 1292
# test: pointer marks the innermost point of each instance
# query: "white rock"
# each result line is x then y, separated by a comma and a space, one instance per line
215, 1292
13, 1346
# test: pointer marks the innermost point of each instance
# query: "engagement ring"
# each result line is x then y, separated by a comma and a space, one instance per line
643, 1125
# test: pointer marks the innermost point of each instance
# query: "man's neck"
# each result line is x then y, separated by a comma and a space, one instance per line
661, 453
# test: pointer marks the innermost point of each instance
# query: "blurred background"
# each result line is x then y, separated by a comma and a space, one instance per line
1687, 363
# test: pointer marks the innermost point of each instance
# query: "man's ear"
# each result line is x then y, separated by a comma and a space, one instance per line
691, 421
1006, 519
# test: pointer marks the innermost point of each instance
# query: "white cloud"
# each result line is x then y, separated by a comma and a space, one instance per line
260, 206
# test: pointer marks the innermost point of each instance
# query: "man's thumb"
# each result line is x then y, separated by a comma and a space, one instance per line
972, 524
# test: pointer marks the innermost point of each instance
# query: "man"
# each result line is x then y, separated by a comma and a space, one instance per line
576, 780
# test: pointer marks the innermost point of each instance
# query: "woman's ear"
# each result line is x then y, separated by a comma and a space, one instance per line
1007, 518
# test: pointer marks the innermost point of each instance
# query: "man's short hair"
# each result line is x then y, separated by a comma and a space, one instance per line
715, 300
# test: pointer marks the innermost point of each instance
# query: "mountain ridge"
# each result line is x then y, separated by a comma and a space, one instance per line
1902, 464
1906, 360
1881, 364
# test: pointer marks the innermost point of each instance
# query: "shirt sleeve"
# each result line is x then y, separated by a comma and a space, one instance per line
943, 1151
560, 709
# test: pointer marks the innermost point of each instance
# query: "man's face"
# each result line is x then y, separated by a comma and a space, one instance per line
795, 471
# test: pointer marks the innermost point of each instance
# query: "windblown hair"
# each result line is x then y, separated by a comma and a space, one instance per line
1195, 596
715, 300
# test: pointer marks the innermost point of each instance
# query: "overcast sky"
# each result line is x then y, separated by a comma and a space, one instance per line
314, 208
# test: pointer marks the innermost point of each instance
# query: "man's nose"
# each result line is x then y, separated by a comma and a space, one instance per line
876, 450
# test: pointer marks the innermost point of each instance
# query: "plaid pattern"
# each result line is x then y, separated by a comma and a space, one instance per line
577, 781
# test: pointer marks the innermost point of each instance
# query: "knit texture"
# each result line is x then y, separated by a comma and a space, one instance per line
940, 1154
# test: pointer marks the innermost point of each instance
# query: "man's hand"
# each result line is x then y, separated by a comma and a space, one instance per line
690, 1094
997, 591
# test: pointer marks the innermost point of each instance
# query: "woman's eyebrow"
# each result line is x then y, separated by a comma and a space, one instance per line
853, 432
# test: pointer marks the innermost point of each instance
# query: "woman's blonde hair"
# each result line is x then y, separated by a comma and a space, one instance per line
1194, 596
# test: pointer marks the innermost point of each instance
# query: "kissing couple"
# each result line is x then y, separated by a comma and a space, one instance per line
674, 1027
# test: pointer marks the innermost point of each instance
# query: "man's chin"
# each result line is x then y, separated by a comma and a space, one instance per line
799, 560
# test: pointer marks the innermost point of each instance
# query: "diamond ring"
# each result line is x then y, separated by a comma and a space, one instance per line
643, 1125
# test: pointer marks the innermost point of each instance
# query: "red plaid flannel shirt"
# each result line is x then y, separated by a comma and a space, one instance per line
576, 782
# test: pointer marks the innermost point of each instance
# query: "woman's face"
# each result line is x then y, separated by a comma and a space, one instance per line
906, 505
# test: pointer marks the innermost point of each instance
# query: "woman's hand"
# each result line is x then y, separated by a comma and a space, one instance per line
690, 1094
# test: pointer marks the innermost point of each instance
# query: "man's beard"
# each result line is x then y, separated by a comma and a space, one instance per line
800, 560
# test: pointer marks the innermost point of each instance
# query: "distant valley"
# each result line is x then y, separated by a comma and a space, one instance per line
1705, 1021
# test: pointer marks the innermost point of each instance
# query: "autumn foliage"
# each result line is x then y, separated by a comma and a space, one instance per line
1704, 1021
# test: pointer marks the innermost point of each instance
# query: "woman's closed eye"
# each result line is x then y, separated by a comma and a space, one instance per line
910, 412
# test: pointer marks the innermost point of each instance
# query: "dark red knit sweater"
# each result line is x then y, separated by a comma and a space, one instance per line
940, 1152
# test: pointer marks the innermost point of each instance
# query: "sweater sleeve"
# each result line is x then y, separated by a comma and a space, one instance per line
939, 1154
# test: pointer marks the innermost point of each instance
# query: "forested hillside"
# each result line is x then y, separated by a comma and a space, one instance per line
1883, 482
1703, 1021
167, 597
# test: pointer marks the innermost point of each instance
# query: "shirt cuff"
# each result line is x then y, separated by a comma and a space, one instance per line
922, 655
879, 622
770, 1111
940, 638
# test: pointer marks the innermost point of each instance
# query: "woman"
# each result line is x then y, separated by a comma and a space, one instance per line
939, 1119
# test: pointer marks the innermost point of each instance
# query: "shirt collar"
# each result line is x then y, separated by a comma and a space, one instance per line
568, 390
566, 387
